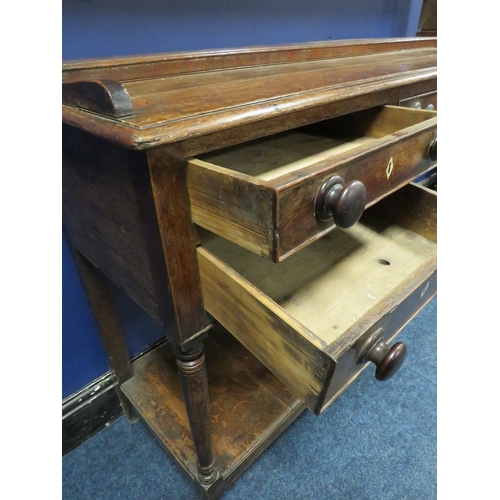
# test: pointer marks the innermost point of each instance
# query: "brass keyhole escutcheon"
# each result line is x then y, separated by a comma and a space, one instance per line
390, 168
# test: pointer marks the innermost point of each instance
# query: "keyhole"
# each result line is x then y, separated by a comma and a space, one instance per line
390, 168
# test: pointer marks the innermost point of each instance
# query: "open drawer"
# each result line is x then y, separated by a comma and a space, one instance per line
315, 319
273, 195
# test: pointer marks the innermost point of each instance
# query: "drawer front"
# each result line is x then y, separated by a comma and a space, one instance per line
263, 195
348, 369
383, 170
422, 101
304, 318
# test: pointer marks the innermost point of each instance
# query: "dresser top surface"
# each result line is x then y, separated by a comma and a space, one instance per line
146, 101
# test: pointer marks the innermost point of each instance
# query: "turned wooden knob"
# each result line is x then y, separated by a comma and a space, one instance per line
344, 203
387, 359
433, 150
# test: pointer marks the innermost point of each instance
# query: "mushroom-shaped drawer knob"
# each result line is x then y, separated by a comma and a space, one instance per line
387, 359
344, 203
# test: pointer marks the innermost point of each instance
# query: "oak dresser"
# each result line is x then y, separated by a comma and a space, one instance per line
258, 203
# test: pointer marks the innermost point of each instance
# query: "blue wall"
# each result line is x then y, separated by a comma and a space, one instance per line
101, 28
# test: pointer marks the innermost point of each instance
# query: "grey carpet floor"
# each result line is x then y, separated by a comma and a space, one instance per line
376, 442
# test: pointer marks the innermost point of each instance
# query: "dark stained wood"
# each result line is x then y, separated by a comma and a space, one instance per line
178, 237
190, 101
100, 298
295, 200
226, 342
279, 312
213, 95
275, 218
427, 23
146, 91
102, 213
387, 359
158, 65
432, 152
249, 407
427, 33
110, 216
135, 181
340, 202
379, 94
193, 376
101, 301
107, 97
422, 101
395, 316
370, 92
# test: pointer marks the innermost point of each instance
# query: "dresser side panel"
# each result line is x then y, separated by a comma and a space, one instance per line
104, 212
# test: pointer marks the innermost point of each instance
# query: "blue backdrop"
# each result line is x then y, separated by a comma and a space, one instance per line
101, 28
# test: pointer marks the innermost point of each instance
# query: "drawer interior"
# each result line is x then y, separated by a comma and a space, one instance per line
261, 194
272, 157
328, 290
301, 317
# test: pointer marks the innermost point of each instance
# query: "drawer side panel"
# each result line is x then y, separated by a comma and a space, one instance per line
232, 206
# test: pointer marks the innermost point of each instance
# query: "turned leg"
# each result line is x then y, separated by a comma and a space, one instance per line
193, 376
103, 309
178, 258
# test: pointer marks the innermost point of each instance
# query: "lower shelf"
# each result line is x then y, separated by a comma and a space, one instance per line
250, 407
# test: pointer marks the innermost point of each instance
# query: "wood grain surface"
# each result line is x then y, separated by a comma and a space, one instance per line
299, 317
249, 407
154, 144
181, 96
262, 194
167, 171
104, 201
